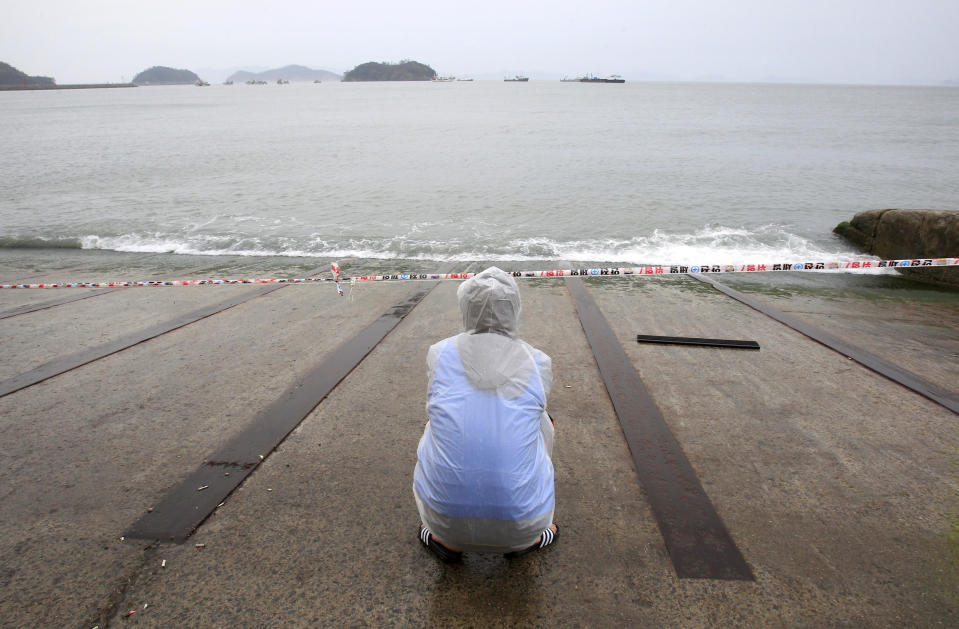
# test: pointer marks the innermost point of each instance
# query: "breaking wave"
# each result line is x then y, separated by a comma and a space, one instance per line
713, 244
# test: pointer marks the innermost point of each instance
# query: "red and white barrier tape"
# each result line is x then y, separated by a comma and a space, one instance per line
853, 266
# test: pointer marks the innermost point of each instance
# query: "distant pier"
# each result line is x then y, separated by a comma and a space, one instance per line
76, 86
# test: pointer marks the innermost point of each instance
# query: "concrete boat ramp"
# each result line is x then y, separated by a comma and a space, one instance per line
141, 483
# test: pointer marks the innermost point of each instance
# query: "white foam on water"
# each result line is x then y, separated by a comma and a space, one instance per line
711, 244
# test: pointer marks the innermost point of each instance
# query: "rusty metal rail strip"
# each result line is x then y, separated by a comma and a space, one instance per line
696, 538
186, 506
56, 302
908, 379
67, 363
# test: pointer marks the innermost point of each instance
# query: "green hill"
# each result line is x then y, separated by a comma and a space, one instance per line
405, 70
11, 76
161, 75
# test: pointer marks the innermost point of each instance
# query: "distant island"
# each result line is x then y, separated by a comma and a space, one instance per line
405, 70
161, 75
286, 73
11, 76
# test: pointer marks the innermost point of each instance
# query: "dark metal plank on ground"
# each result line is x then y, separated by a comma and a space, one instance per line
943, 397
186, 506
56, 302
65, 364
696, 538
699, 342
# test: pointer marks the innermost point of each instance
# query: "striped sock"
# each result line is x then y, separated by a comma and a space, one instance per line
547, 538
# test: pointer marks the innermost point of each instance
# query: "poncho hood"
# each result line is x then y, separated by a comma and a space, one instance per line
490, 302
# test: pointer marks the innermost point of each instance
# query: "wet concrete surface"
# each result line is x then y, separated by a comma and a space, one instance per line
86, 453
184, 508
879, 365
27, 306
96, 347
838, 486
899, 320
54, 333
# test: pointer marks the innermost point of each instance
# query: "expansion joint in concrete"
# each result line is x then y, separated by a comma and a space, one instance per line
117, 604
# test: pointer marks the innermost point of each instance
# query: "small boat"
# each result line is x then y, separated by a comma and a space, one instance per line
518, 78
201, 83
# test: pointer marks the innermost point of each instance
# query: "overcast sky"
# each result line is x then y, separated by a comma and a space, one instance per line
830, 41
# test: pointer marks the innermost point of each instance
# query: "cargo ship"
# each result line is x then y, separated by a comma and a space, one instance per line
612, 78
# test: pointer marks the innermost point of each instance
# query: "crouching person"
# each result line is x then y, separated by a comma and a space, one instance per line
483, 480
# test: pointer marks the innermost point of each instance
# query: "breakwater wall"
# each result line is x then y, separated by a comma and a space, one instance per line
903, 234
76, 86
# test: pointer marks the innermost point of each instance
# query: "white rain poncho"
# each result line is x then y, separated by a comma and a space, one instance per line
484, 477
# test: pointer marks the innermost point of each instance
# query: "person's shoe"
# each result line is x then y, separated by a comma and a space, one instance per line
445, 554
547, 538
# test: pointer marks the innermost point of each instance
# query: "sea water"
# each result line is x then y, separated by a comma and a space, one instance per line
423, 175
